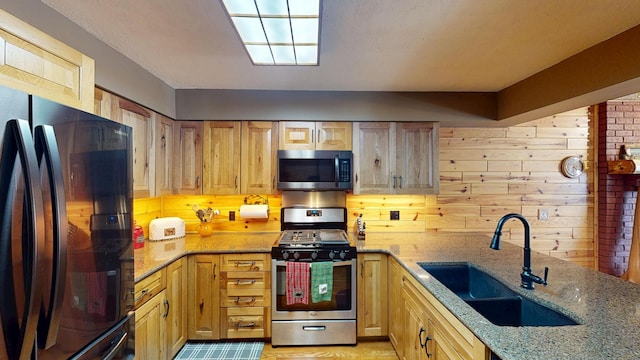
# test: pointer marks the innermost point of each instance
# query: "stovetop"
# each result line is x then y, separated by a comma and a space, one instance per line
313, 238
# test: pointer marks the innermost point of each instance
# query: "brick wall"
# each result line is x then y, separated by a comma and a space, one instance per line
618, 124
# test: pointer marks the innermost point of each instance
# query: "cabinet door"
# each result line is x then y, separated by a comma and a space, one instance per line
176, 328
374, 157
150, 328
38, 64
415, 325
259, 157
439, 347
417, 158
106, 105
297, 135
333, 135
203, 297
188, 157
372, 295
309, 135
139, 119
221, 170
164, 155
396, 305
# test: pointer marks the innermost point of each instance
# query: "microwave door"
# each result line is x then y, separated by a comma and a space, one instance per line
55, 255
21, 240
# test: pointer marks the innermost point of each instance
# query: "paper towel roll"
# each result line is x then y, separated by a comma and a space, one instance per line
254, 211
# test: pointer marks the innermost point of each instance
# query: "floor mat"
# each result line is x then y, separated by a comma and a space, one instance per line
222, 351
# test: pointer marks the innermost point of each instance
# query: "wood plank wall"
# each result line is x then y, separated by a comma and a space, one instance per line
147, 209
485, 173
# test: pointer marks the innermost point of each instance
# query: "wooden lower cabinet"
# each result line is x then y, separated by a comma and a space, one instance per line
176, 328
151, 328
203, 287
396, 304
431, 331
372, 295
245, 296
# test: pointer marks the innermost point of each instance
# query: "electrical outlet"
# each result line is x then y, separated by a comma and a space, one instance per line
394, 215
543, 214
232, 216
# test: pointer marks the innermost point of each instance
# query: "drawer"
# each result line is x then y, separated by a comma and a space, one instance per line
245, 297
148, 287
245, 280
245, 262
237, 323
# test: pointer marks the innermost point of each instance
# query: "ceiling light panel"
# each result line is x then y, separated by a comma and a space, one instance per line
277, 32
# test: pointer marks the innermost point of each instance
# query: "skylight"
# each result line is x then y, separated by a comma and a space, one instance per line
277, 32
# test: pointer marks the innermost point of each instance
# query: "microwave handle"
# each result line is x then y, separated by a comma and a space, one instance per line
337, 164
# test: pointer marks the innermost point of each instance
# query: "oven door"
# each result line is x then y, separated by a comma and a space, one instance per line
342, 303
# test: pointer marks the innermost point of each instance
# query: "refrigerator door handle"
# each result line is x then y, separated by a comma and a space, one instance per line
46, 146
20, 331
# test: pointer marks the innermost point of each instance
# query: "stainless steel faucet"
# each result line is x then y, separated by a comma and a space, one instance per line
528, 278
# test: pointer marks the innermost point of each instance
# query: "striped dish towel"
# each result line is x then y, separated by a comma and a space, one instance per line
297, 282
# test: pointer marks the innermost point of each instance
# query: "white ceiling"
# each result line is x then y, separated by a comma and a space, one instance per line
366, 45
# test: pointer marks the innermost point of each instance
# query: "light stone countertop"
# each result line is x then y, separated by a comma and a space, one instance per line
607, 307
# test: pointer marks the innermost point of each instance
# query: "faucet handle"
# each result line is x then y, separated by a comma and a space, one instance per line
546, 274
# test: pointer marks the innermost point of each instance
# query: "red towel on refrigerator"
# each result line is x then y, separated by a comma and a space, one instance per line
297, 282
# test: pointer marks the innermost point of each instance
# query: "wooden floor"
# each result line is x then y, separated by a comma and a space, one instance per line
374, 350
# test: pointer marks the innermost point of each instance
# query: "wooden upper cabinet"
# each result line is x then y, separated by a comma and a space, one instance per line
396, 158
307, 135
36, 63
187, 176
164, 130
372, 158
141, 122
221, 170
417, 158
259, 157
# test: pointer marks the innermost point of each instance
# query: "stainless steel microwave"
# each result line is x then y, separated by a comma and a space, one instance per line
315, 170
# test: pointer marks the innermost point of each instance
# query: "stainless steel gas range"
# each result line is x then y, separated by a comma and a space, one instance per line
314, 278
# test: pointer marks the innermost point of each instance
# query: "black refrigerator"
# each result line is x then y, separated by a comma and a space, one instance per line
66, 249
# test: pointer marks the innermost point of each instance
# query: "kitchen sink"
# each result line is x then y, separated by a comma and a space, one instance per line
493, 299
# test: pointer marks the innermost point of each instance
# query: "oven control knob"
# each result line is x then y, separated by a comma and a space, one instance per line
314, 255
332, 254
342, 254
285, 254
296, 255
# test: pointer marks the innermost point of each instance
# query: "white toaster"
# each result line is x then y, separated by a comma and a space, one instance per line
166, 228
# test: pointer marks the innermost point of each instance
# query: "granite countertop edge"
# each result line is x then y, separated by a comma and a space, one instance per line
607, 308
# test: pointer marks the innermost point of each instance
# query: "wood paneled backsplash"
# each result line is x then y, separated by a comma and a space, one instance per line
485, 173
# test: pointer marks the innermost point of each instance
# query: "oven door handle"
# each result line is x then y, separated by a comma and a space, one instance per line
335, 263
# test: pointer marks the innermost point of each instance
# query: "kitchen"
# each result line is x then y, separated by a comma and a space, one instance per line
466, 200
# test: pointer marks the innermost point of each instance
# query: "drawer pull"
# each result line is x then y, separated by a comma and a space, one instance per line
251, 264
143, 293
246, 282
249, 300
244, 325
